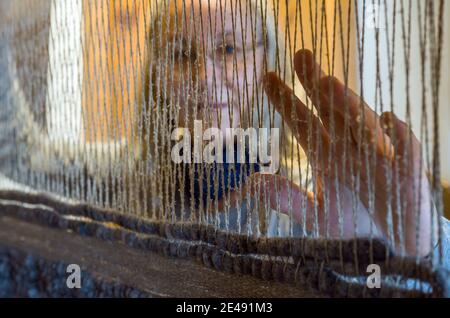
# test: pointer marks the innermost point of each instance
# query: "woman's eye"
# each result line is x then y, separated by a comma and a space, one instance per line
229, 49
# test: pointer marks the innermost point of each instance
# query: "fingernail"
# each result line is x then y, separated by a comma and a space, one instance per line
304, 61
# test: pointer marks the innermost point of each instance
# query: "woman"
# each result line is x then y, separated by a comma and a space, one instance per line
209, 62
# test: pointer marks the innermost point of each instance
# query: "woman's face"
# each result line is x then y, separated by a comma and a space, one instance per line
214, 54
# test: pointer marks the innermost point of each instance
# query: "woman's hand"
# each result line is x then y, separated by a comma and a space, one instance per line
367, 169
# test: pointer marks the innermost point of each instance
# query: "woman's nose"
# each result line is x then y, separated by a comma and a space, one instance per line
215, 78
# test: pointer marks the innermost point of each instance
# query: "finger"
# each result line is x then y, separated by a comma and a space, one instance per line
309, 72
403, 139
363, 121
333, 120
277, 193
312, 78
413, 187
298, 117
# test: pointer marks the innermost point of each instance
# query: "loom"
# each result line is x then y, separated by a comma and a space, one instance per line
95, 95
